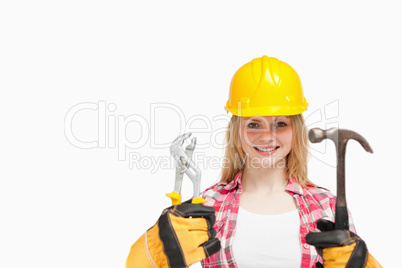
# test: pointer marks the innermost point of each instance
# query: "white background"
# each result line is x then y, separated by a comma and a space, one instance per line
65, 206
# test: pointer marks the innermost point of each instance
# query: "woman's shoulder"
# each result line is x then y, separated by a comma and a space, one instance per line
319, 191
218, 192
320, 195
310, 191
215, 190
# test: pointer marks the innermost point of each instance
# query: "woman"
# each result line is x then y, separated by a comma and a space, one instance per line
264, 206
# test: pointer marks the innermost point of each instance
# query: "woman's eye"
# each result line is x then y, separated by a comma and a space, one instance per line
252, 125
280, 124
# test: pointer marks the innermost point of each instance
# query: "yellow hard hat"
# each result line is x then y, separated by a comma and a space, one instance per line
266, 87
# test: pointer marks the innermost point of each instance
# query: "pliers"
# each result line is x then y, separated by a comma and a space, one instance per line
185, 165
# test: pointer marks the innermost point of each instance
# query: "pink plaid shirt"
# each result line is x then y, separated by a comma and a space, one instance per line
313, 204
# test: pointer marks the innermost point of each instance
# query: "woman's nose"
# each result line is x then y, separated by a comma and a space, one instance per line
267, 134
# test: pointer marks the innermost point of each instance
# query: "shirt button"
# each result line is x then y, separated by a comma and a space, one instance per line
306, 246
303, 226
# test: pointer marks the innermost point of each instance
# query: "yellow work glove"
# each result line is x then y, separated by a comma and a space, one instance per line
182, 236
340, 248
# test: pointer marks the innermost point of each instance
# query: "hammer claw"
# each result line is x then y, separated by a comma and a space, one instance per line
363, 142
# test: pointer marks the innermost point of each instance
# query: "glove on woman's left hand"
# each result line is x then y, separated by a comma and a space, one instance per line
340, 248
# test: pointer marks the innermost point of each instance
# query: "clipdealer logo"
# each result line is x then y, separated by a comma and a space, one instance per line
112, 132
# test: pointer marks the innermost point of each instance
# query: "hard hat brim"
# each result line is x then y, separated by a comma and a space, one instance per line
266, 111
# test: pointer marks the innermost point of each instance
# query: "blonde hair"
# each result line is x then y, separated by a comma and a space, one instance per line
296, 160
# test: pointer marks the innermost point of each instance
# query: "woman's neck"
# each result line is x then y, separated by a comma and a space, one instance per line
264, 180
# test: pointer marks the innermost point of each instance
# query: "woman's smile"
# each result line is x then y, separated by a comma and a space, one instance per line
266, 150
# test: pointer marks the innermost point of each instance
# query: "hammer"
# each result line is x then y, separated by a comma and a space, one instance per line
340, 137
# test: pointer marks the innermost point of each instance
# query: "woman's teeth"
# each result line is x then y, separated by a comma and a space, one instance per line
266, 149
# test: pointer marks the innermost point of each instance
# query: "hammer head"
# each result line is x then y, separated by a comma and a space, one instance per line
338, 136
316, 135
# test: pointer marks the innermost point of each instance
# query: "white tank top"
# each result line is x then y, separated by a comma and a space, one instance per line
267, 240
